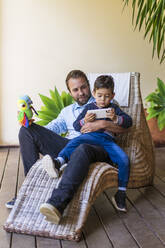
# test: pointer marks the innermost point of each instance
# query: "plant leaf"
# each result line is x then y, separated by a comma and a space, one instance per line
58, 99
66, 98
151, 113
53, 96
161, 120
152, 12
161, 87
42, 122
45, 116
49, 112
49, 103
153, 97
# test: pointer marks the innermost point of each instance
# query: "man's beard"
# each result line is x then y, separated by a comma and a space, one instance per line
84, 100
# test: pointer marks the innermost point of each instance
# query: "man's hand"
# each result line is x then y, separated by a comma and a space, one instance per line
89, 117
102, 124
90, 127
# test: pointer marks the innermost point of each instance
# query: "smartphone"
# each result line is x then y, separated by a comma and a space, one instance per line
100, 113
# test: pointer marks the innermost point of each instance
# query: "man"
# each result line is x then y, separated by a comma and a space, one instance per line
47, 140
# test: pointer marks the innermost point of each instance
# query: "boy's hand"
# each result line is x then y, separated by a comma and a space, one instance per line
111, 114
89, 117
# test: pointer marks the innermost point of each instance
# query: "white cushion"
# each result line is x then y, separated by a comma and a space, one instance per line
122, 85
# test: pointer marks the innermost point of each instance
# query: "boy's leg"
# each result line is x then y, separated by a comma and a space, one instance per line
86, 138
119, 157
116, 154
37, 139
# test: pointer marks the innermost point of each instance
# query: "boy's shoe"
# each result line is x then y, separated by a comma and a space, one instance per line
51, 166
118, 201
11, 203
52, 213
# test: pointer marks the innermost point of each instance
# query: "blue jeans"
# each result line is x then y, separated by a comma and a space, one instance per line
116, 154
36, 139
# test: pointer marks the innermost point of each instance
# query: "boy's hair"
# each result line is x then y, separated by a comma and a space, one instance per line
104, 81
75, 74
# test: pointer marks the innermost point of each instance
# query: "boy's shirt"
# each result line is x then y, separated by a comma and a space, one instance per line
124, 120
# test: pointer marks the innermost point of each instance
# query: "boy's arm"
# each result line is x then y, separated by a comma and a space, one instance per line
79, 122
122, 125
102, 124
123, 119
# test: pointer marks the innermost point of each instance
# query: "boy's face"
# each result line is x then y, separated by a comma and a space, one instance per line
103, 97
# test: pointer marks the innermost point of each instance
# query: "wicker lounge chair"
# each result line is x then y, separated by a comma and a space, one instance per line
37, 187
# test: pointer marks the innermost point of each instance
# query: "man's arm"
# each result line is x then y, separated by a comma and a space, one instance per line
103, 124
58, 125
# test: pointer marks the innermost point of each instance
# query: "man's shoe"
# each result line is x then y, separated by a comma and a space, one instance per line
11, 203
62, 168
52, 213
51, 166
118, 201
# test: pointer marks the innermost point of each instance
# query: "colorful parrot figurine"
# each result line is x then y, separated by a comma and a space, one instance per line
25, 113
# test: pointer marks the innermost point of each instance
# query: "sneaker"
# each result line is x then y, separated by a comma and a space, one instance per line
52, 213
11, 203
62, 168
118, 200
51, 166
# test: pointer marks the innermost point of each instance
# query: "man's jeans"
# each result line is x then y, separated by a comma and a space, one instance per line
36, 139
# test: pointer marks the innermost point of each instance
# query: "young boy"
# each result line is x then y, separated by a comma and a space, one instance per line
103, 93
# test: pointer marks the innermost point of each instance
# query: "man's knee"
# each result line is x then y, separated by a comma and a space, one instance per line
81, 154
83, 148
91, 153
23, 133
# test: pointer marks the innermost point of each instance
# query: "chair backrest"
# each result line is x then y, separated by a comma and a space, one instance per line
135, 106
122, 85
130, 89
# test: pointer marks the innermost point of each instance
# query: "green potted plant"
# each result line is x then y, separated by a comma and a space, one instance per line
52, 106
150, 15
156, 113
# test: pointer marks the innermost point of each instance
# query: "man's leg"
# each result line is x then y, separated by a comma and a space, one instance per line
34, 140
37, 139
74, 174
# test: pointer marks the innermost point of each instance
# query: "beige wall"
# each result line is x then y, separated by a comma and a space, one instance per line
0, 71
43, 39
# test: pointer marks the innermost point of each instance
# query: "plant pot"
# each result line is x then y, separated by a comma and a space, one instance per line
157, 135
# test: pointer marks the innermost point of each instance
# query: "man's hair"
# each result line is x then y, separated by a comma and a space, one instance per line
75, 74
104, 81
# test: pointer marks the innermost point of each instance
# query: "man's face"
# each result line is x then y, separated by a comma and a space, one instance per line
79, 90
